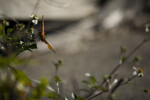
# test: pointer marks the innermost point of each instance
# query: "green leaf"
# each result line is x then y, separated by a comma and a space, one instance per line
53, 95
9, 30
57, 79
93, 79
28, 47
58, 64
20, 26
7, 61
2, 29
44, 81
9, 39
22, 77
103, 89
123, 59
86, 82
123, 49
33, 46
137, 58
80, 98
4, 61
39, 90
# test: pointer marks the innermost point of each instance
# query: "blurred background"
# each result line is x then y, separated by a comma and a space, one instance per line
87, 35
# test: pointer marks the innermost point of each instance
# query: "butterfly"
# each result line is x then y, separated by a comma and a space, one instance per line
42, 36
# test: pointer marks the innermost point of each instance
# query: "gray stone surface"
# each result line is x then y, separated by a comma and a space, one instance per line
52, 9
84, 51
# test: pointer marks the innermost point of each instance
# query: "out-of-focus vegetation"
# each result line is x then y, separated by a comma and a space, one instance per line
16, 38
15, 85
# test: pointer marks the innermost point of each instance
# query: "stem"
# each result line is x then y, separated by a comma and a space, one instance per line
36, 7
129, 55
118, 66
130, 79
95, 95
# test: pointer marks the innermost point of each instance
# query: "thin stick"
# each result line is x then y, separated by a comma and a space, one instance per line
35, 10
118, 66
129, 55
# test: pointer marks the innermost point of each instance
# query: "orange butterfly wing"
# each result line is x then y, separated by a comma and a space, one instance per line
42, 36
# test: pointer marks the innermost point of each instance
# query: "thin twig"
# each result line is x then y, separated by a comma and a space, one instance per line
57, 5
35, 10
117, 67
129, 55
95, 95
130, 79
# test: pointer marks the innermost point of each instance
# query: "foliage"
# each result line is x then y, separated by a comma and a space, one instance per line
15, 84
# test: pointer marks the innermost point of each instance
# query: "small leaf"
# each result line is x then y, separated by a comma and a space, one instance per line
137, 58
52, 95
103, 89
123, 59
48, 86
9, 39
33, 46
57, 79
80, 98
2, 29
9, 30
21, 77
93, 79
123, 49
86, 82
44, 81
39, 90
20, 26
58, 64
28, 47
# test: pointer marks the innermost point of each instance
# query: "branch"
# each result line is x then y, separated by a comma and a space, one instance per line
116, 68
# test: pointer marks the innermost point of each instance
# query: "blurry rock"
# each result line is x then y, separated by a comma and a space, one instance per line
52, 9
